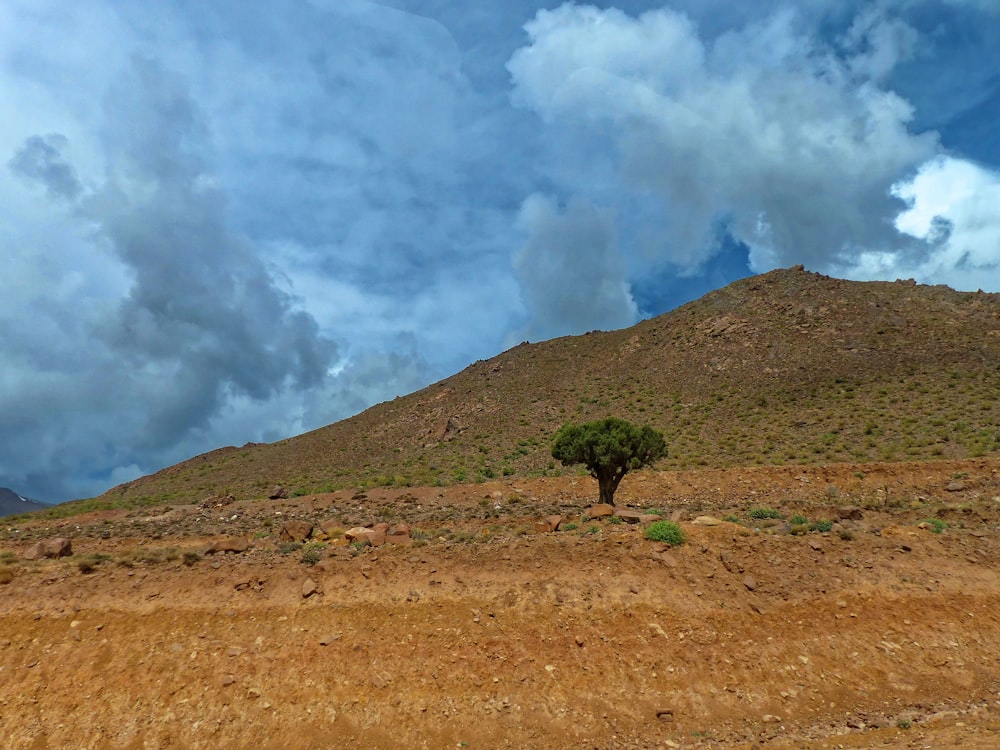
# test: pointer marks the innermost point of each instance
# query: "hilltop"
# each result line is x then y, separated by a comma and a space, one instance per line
12, 503
789, 367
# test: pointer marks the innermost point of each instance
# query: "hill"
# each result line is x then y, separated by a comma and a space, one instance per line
12, 503
789, 367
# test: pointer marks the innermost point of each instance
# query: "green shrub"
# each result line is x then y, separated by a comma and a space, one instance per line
798, 520
936, 524
763, 513
731, 519
312, 552
822, 525
569, 526
665, 531
286, 548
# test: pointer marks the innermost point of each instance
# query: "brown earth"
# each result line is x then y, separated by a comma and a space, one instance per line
877, 633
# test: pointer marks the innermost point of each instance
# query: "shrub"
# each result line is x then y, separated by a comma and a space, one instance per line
936, 524
286, 548
798, 520
763, 513
191, 557
665, 531
822, 525
569, 526
312, 552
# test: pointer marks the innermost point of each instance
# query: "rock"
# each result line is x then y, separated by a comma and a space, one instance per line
629, 516
376, 537
309, 587
815, 546
601, 510
294, 531
770, 719
228, 680
665, 714
547, 524
229, 544
381, 526
378, 681
400, 529
850, 513
56, 547
400, 540
326, 640
357, 533
650, 517
750, 582
957, 486
278, 493
707, 521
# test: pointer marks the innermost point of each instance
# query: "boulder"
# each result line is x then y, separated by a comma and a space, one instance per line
229, 544
629, 516
400, 529
278, 493
707, 521
309, 587
601, 510
357, 533
381, 526
850, 513
376, 537
650, 517
294, 531
547, 524
56, 547
327, 527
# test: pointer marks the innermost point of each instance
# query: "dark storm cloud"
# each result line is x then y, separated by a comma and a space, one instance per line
40, 160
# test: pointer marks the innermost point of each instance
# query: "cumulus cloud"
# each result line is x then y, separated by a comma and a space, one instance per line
40, 160
787, 142
571, 274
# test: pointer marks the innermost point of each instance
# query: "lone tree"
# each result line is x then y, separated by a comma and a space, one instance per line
608, 448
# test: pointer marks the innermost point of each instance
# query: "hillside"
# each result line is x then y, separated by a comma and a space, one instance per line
790, 367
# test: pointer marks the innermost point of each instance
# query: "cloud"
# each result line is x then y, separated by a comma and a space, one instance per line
571, 275
784, 141
40, 160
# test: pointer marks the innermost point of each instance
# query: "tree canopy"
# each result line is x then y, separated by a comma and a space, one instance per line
609, 448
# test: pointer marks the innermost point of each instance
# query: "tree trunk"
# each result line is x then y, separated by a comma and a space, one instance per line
607, 483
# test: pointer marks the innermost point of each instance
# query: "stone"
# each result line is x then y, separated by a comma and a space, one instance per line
330, 526
309, 587
381, 526
956, 486
707, 521
228, 544
601, 510
770, 719
665, 714
326, 640
850, 513
400, 540
815, 546
547, 524
56, 547
278, 493
294, 531
650, 517
357, 533
750, 582
400, 529
629, 516
376, 537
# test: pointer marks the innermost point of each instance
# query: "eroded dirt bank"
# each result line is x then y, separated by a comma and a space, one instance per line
886, 636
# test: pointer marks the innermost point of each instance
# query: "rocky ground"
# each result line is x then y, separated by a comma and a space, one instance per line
481, 631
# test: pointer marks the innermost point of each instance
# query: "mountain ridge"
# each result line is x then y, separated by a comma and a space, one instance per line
785, 367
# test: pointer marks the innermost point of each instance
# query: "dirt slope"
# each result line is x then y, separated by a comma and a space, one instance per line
877, 633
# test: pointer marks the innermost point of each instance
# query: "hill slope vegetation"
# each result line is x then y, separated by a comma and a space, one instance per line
789, 367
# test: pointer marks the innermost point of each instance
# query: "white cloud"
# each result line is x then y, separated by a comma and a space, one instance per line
766, 131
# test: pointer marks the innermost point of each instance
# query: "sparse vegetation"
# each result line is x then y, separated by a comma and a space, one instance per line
760, 514
665, 531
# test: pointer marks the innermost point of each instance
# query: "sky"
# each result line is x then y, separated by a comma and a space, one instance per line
224, 222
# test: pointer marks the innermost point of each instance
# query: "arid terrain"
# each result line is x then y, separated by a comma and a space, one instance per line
879, 629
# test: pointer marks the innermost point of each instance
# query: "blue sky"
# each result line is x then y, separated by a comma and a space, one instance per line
224, 222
